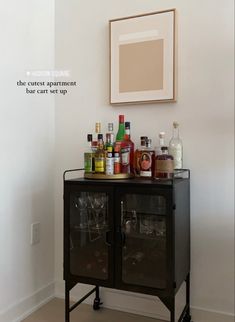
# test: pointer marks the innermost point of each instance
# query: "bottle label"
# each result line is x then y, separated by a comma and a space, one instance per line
125, 153
109, 166
145, 162
164, 166
117, 165
177, 154
99, 165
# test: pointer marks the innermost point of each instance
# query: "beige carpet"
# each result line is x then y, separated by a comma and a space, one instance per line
54, 312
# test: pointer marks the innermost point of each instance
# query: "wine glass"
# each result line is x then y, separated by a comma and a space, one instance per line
81, 204
98, 203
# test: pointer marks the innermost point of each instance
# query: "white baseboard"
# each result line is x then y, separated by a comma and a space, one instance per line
141, 304
20, 310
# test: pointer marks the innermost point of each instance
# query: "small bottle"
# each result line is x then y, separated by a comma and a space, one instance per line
109, 136
88, 155
109, 161
147, 161
95, 136
100, 156
138, 153
164, 164
161, 143
117, 160
176, 147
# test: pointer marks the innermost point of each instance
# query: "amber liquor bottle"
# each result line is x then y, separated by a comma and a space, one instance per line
164, 165
147, 161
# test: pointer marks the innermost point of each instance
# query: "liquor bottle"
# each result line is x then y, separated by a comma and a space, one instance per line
100, 156
147, 161
176, 147
109, 136
121, 129
138, 153
95, 136
117, 160
161, 137
88, 155
109, 161
164, 167
127, 151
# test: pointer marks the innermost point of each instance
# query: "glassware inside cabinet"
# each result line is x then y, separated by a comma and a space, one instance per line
89, 224
143, 221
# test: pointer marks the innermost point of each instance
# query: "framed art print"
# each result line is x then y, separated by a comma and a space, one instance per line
142, 58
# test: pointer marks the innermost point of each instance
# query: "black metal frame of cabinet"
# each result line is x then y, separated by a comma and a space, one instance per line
178, 261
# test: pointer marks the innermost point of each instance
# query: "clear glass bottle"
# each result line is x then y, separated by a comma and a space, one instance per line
164, 164
88, 155
95, 136
161, 142
100, 156
109, 137
176, 147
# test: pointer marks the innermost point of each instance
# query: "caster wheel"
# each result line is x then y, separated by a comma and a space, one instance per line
96, 304
187, 318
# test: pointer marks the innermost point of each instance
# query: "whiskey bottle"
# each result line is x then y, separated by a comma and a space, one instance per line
164, 166
137, 155
147, 161
176, 147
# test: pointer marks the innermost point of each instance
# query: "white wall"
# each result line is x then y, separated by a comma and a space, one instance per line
27, 157
204, 109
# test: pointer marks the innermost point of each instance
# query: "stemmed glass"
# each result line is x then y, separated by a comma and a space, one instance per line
81, 204
98, 203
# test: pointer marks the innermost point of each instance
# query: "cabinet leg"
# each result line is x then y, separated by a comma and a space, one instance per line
172, 315
67, 302
97, 303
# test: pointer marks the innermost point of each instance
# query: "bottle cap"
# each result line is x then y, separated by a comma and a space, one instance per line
110, 127
121, 118
89, 137
148, 143
100, 136
161, 135
127, 125
97, 127
164, 148
175, 124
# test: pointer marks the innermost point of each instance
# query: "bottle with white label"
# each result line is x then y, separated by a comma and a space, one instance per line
176, 147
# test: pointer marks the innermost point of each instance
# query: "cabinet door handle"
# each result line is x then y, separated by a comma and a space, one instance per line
122, 213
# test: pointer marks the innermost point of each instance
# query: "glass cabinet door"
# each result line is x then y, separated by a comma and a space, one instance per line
89, 230
143, 224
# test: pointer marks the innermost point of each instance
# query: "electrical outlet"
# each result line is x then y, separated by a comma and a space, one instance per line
35, 233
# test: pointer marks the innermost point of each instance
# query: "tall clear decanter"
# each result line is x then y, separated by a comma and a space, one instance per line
176, 147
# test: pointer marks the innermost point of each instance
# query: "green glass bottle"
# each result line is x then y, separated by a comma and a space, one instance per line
121, 129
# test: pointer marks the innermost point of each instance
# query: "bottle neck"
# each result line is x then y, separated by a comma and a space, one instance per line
121, 132
161, 142
176, 133
127, 135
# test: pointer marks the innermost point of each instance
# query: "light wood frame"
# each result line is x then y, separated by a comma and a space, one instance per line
141, 32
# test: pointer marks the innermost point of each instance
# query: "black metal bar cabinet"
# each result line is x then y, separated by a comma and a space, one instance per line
131, 234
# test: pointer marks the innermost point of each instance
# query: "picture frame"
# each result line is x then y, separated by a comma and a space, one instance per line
142, 58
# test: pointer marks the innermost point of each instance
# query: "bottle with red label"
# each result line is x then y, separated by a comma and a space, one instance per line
127, 151
147, 161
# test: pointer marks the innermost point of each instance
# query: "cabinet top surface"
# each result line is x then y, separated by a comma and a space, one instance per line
134, 181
